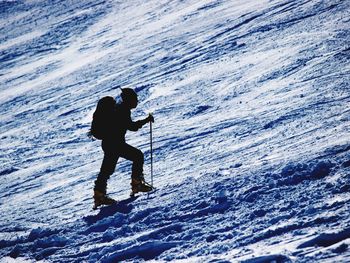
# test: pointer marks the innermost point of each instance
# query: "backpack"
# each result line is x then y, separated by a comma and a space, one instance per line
102, 120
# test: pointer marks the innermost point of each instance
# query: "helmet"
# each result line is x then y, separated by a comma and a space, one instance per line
128, 94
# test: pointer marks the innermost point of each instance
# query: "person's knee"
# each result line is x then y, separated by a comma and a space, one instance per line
106, 172
139, 156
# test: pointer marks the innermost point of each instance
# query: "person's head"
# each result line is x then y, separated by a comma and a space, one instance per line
129, 97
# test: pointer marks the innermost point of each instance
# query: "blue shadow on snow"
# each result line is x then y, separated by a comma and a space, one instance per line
123, 207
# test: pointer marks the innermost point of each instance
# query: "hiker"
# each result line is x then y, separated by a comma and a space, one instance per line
114, 146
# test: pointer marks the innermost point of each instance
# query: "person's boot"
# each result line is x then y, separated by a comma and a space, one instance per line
139, 185
101, 198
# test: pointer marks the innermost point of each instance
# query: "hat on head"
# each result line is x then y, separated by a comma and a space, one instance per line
128, 94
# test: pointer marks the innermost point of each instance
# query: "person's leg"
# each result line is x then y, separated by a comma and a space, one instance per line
107, 169
136, 156
138, 183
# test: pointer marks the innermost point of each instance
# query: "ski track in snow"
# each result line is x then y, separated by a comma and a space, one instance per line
251, 139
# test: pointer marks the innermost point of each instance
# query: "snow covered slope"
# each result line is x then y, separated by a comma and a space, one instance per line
251, 139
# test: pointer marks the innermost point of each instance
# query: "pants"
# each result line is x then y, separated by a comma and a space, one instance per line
112, 152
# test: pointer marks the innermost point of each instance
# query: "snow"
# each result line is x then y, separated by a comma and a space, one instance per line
251, 133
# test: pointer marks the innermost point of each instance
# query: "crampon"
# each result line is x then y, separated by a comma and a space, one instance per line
140, 186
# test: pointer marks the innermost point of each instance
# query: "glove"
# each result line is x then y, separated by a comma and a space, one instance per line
150, 118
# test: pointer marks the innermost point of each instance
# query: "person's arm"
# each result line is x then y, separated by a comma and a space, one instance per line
135, 125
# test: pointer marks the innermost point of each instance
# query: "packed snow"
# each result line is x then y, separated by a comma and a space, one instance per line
251, 150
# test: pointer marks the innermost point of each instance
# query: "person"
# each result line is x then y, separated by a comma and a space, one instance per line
115, 146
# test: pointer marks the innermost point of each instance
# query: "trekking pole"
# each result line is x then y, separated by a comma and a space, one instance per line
151, 142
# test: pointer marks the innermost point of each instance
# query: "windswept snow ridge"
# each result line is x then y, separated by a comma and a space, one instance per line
251, 140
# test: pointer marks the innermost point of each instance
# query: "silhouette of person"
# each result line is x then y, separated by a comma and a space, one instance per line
114, 146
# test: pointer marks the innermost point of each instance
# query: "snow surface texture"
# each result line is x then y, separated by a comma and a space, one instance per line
251, 139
